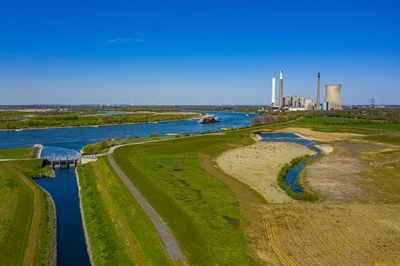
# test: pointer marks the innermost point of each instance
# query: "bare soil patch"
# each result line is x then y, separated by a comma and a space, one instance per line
332, 234
350, 225
316, 135
258, 166
352, 174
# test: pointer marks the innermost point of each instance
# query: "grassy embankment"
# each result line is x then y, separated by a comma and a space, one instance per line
105, 145
28, 153
12, 120
120, 232
200, 209
27, 217
21, 153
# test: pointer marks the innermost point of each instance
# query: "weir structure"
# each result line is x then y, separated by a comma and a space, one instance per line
68, 161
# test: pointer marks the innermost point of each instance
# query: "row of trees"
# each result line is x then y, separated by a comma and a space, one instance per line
367, 115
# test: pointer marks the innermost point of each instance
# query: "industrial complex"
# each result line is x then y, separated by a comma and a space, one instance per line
332, 101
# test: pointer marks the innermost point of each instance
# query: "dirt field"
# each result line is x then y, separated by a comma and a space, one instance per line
332, 234
258, 166
350, 225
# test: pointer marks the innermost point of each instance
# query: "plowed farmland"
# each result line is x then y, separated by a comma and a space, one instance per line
332, 234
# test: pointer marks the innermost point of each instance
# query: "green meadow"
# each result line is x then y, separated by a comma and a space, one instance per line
200, 209
343, 123
27, 217
120, 232
20, 153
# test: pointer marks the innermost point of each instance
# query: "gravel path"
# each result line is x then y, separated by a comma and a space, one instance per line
168, 239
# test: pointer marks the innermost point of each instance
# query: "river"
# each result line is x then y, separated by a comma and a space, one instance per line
71, 247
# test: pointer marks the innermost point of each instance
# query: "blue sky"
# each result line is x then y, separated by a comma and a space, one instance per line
197, 52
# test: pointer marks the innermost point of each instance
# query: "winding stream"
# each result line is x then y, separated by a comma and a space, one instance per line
293, 174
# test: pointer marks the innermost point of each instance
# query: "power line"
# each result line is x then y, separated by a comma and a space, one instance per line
372, 102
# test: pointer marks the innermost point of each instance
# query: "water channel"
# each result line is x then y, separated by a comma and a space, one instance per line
71, 246
292, 175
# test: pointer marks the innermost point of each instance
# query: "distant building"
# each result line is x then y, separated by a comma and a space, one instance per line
307, 103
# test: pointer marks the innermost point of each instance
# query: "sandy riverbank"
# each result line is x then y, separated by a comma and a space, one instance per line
258, 166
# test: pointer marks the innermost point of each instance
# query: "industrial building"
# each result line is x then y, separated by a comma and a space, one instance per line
332, 97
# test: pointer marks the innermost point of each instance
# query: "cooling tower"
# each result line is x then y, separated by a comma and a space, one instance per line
281, 89
273, 93
332, 95
318, 91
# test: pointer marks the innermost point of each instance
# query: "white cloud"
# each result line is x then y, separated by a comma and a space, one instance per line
119, 40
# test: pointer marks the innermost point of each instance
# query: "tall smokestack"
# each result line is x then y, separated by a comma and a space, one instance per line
318, 91
273, 103
281, 89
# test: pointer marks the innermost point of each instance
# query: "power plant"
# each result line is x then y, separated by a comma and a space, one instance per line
332, 95
333, 99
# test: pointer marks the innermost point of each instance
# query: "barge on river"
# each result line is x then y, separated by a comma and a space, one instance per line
208, 120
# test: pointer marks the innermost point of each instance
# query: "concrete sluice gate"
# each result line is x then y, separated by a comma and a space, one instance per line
68, 161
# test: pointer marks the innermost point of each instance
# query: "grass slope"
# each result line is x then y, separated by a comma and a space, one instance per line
201, 210
27, 224
20, 153
120, 232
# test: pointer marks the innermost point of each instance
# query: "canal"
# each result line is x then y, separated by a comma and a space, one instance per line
71, 246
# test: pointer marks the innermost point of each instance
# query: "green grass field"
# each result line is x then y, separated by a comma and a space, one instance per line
319, 121
17, 153
200, 209
120, 232
27, 218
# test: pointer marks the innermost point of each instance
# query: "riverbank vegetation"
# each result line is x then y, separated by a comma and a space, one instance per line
305, 195
76, 117
27, 217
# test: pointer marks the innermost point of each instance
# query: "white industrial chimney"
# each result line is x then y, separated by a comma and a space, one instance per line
273, 103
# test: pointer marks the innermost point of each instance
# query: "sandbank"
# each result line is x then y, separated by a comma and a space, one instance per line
258, 166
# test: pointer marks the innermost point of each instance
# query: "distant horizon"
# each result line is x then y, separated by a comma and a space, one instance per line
189, 53
168, 105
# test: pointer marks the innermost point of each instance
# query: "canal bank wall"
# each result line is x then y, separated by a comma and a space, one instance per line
51, 227
87, 238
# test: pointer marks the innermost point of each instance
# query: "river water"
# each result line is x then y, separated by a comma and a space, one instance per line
71, 247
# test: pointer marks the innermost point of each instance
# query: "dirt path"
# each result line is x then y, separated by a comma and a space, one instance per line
168, 239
